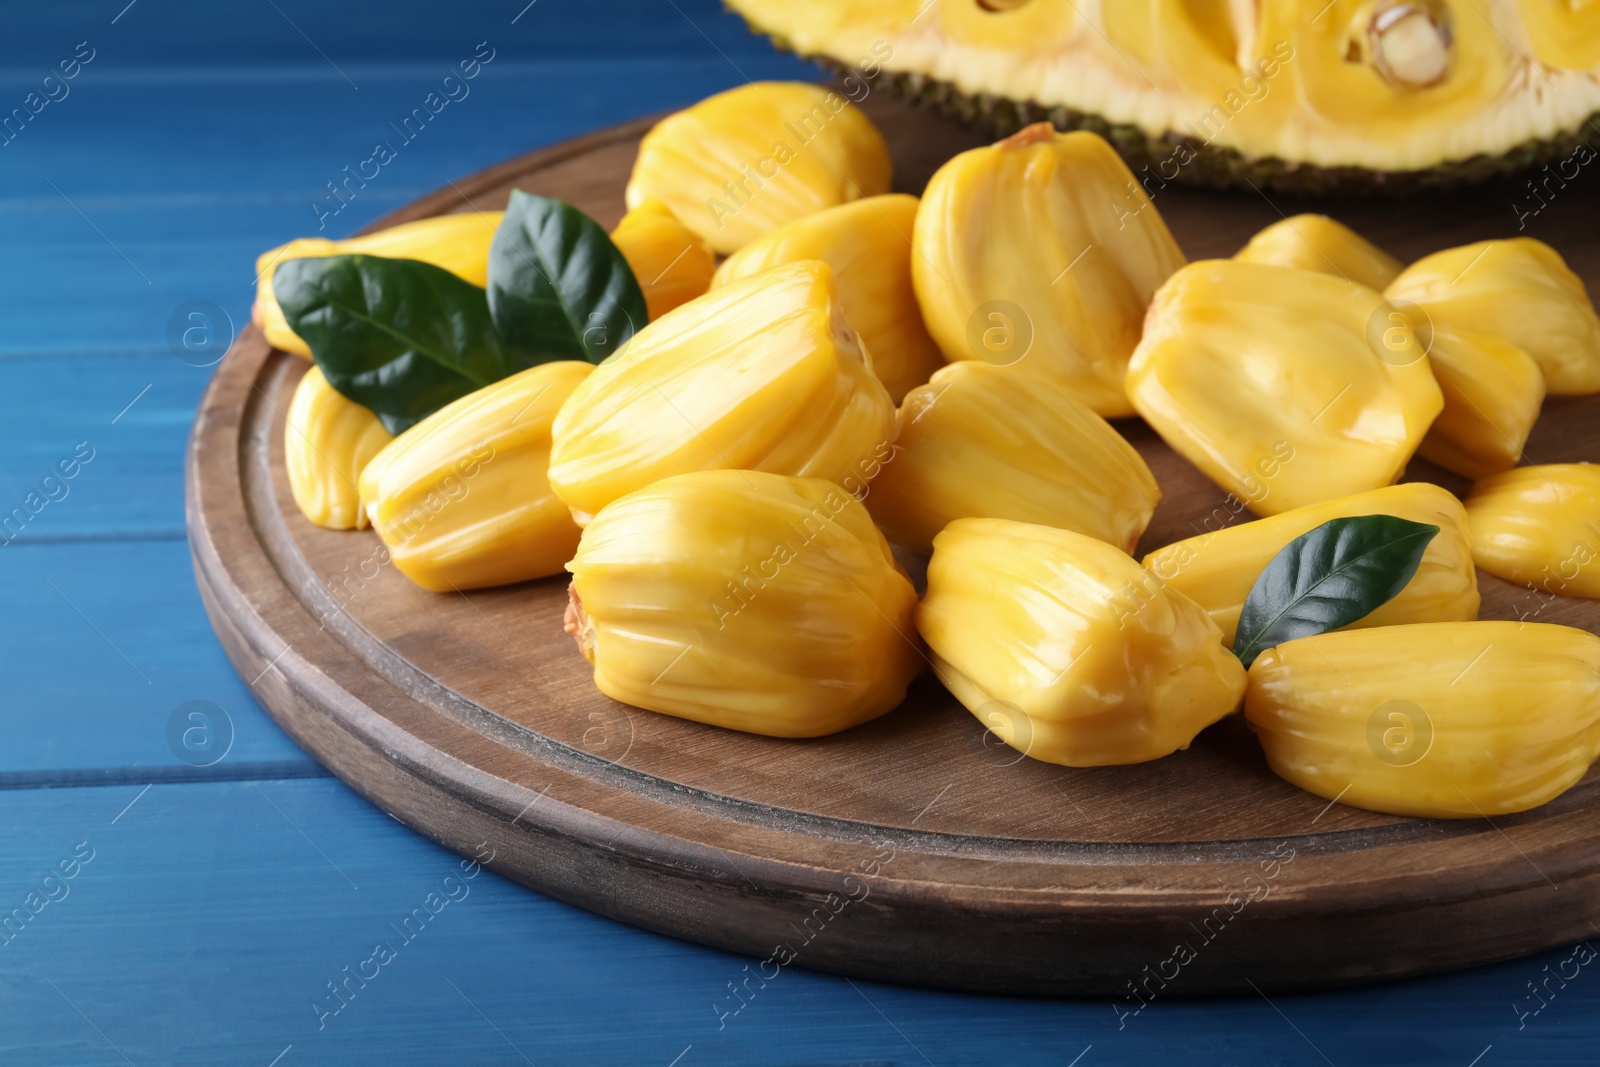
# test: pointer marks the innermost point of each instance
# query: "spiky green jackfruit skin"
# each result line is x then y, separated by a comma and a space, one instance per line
1211, 167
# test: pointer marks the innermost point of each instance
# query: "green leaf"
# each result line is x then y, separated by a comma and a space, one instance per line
1332, 576
558, 287
399, 336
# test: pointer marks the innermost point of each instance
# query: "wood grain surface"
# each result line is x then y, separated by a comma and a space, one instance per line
914, 848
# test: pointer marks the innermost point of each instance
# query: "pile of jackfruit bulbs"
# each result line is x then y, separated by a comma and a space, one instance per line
865, 367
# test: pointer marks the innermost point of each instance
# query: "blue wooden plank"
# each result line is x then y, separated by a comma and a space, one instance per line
294, 131
304, 31
213, 917
128, 245
118, 422
213, 913
104, 643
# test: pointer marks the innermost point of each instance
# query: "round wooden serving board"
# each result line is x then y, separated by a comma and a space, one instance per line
914, 848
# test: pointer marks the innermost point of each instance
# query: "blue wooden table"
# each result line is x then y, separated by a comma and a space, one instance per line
157, 912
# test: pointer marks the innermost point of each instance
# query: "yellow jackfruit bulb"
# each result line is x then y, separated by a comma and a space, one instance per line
990, 442
1287, 387
763, 374
672, 264
868, 245
1067, 649
1217, 569
1042, 251
461, 499
459, 243
1518, 289
1316, 242
1540, 526
1455, 720
754, 601
1492, 394
746, 161
327, 442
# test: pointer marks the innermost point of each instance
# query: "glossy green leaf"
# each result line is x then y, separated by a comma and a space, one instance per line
399, 336
1332, 576
558, 287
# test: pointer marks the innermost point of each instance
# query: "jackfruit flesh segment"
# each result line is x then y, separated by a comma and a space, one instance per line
868, 245
1287, 387
747, 600
1042, 252
1453, 720
1492, 394
746, 161
1540, 526
990, 442
327, 442
1520, 290
763, 374
462, 500
1316, 242
671, 263
1067, 649
1218, 568
458, 242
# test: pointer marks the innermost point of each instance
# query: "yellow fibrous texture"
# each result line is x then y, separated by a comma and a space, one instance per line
1067, 649
990, 442
1540, 526
459, 243
327, 442
1565, 33
763, 374
1444, 720
1316, 242
754, 601
1518, 289
672, 264
1218, 568
1492, 394
462, 500
746, 161
1042, 252
1311, 95
868, 245
1287, 387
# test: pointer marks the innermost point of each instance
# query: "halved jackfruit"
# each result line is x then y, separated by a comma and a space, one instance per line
1306, 95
